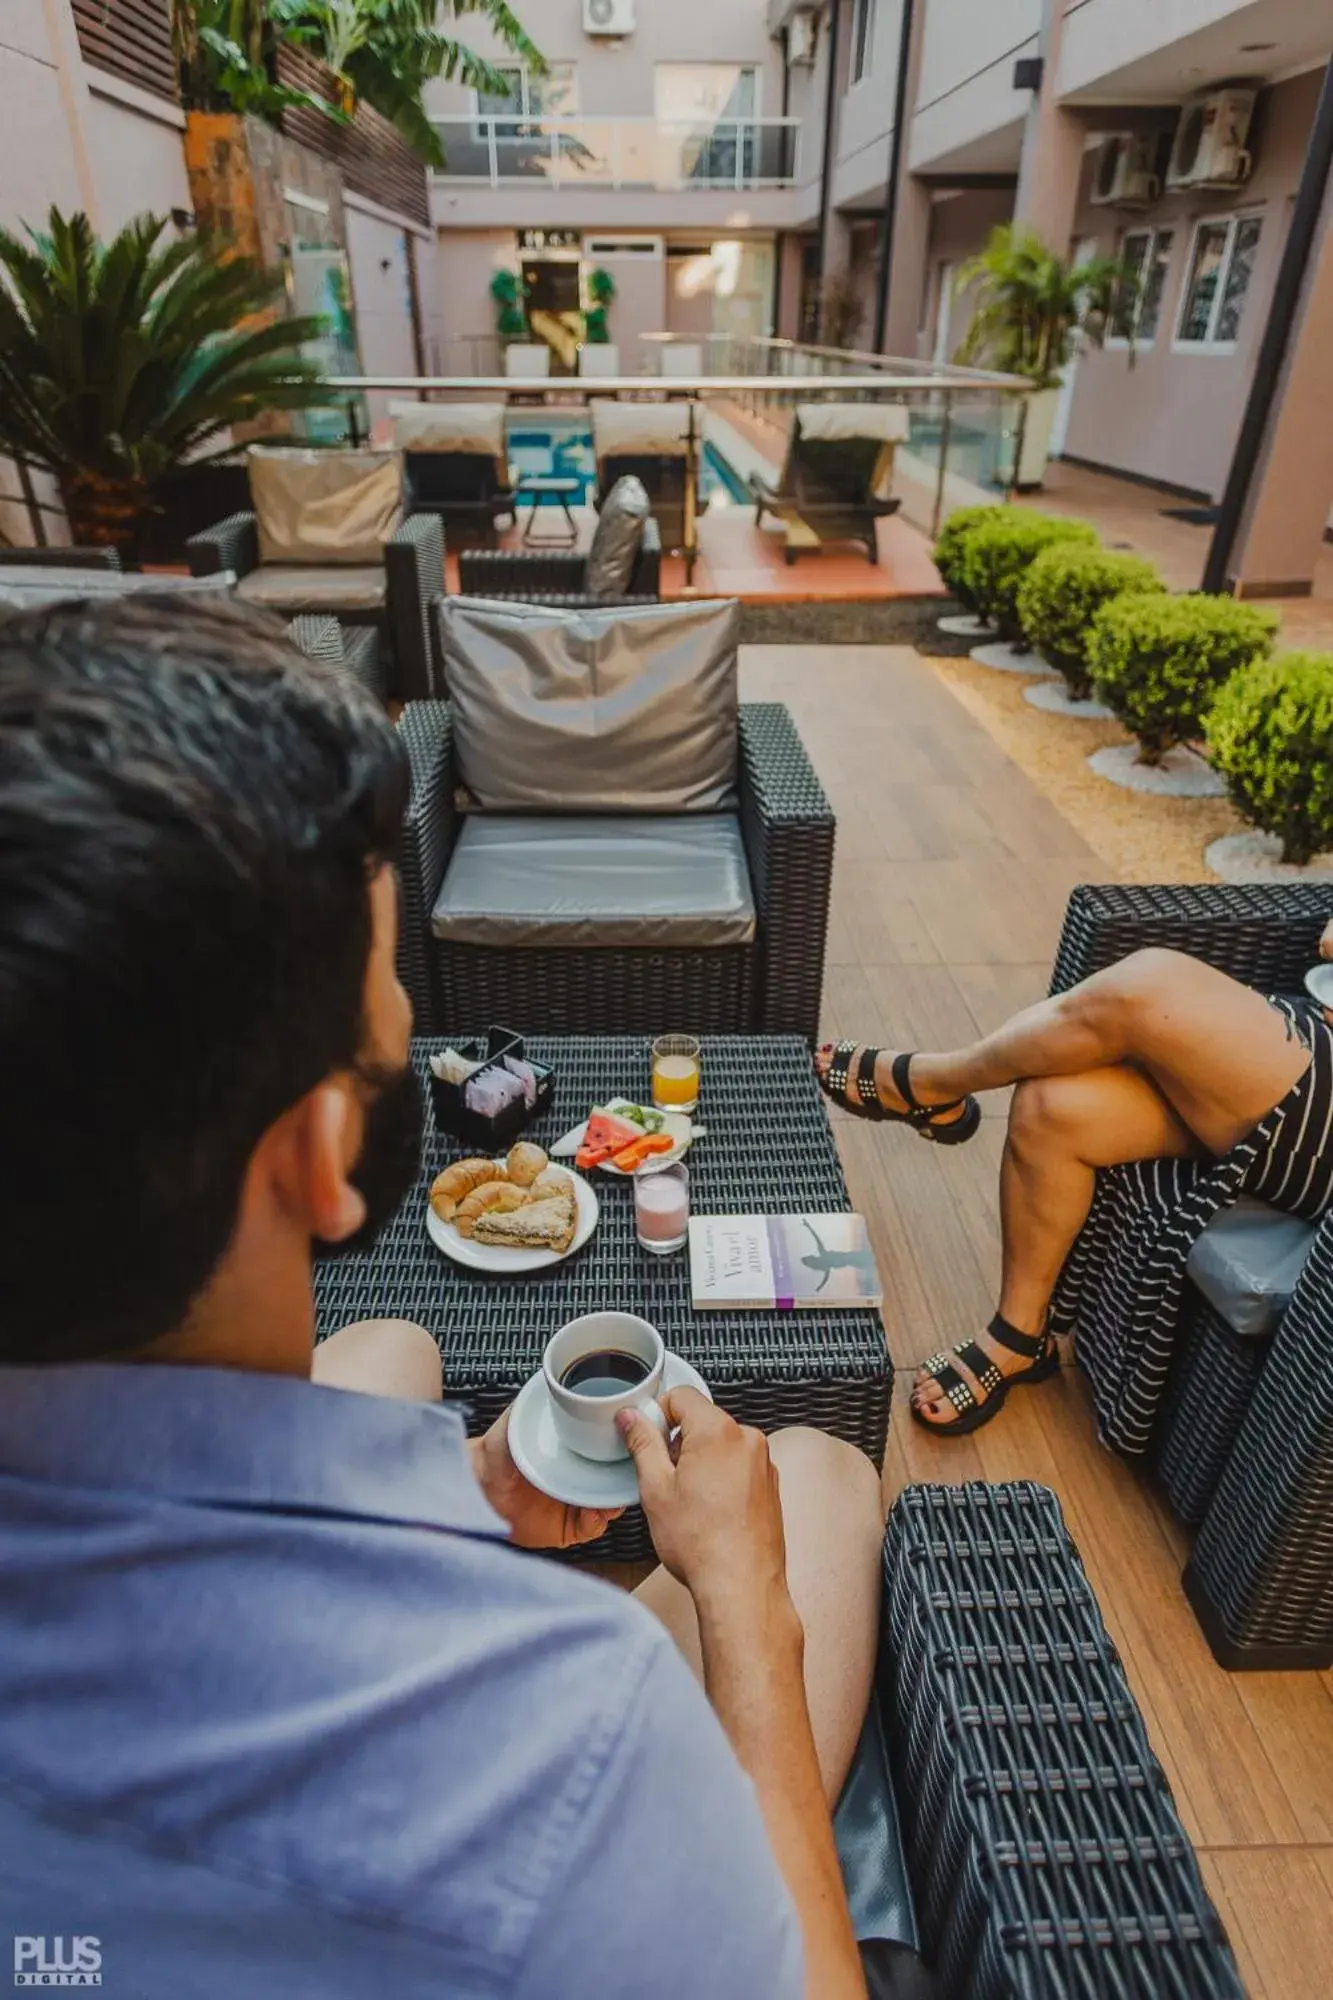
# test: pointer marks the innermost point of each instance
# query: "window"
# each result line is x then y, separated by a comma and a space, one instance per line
1146, 255
1221, 265
863, 38
529, 96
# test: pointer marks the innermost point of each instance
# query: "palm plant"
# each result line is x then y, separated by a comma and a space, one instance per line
1031, 306
121, 361
387, 51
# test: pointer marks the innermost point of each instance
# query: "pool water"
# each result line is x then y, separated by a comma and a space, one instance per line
568, 454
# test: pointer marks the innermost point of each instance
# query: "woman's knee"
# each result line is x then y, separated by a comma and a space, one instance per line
1112, 998
385, 1357
813, 1461
1039, 1111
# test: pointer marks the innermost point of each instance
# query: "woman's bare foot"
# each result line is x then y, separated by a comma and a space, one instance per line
930, 1398
890, 1098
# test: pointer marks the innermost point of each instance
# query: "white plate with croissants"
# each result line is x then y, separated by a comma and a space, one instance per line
515, 1214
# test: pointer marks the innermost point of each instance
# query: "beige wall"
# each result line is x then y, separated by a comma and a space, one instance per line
967, 110
1173, 416
38, 165
865, 116
139, 160
465, 262
639, 306
377, 251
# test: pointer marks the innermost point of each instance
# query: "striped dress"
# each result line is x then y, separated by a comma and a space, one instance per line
1120, 1288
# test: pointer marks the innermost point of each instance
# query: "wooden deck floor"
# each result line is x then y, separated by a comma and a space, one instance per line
950, 885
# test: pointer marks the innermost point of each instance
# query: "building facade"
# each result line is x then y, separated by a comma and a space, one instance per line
729, 163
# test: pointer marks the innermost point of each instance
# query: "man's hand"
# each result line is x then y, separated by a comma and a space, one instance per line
714, 1511
1326, 941
535, 1520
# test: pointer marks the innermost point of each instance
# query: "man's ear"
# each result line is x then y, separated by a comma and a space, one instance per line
315, 1146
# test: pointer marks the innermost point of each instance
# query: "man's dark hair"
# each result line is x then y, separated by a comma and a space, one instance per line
190, 816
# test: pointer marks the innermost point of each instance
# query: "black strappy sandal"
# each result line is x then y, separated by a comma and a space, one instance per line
923, 1117
970, 1414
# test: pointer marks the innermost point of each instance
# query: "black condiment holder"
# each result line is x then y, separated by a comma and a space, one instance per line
488, 1135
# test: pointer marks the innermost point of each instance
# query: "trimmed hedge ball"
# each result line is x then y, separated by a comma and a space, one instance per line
1159, 661
951, 543
1270, 734
1062, 592
996, 555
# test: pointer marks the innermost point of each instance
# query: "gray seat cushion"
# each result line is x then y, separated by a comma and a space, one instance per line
631, 709
618, 539
642, 883
1246, 1264
296, 587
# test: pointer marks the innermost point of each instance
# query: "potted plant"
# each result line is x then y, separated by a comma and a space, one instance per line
601, 291
1031, 310
121, 362
996, 556
1060, 594
511, 321
1159, 661
1269, 731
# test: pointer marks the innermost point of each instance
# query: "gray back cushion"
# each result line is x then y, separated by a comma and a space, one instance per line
618, 539
617, 710
1247, 1263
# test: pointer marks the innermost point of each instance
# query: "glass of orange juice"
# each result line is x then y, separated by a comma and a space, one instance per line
676, 1073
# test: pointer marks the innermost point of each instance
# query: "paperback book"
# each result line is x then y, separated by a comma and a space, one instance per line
780, 1262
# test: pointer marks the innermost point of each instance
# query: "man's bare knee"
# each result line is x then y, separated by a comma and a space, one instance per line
384, 1357
813, 1459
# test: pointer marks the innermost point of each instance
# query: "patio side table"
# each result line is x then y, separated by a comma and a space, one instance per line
536, 488
768, 1150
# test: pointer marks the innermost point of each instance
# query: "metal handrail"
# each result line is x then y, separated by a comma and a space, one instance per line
703, 385
959, 372
561, 144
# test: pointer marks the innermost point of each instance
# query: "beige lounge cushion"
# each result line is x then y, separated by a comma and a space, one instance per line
644, 429
295, 587
650, 884
630, 709
469, 427
324, 506
831, 422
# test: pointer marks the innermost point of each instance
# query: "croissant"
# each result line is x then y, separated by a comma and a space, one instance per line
449, 1188
501, 1196
525, 1162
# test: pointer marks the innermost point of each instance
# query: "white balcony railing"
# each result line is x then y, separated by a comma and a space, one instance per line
653, 153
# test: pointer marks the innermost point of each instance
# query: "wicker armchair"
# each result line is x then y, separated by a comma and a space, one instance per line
356, 648
542, 577
414, 580
1244, 1443
772, 986
62, 556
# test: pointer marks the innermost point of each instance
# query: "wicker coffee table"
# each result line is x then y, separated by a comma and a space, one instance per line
768, 1150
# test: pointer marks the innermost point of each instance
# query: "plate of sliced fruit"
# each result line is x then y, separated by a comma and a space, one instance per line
625, 1138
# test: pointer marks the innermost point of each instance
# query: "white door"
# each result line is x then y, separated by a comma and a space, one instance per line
1086, 248
943, 306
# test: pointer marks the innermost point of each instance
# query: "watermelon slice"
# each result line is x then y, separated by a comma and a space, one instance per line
606, 1134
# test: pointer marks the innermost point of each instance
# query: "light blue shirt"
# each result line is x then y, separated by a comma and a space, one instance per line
282, 1714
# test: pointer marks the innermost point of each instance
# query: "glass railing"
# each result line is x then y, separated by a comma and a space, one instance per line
619, 152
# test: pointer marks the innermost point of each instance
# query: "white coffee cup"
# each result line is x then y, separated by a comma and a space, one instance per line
585, 1417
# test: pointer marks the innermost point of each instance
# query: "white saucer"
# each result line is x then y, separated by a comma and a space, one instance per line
501, 1263
1319, 984
552, 1468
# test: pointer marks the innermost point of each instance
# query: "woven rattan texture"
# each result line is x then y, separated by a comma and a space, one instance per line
1045, 1850
1263, 1556
830, 1369
772, 987
1266, 937
229, 544
414, 580
1213, 1378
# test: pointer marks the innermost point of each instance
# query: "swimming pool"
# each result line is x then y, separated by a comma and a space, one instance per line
567, 453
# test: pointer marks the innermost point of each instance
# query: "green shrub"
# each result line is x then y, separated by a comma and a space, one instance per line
996, 555
951, 543
1062, 590
1158, 661
1270, 734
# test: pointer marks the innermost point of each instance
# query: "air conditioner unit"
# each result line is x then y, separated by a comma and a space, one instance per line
1122, 174
608, 17
1209, 147
801, 39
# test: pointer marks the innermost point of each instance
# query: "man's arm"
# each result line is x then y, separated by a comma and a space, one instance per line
717, 1526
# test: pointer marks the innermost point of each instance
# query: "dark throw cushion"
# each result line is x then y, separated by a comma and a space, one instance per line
618, 539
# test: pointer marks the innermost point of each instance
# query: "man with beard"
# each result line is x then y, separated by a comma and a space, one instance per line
283, 1709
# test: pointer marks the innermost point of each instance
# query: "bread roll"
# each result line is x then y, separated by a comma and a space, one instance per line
551, 1180
500, 1196
449, 1188
525, 1162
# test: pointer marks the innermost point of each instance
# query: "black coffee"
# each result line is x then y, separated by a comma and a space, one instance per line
609, 1372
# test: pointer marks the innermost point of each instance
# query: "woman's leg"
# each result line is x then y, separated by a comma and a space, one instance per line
1061, 1129
1216, 1050
381, 1357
